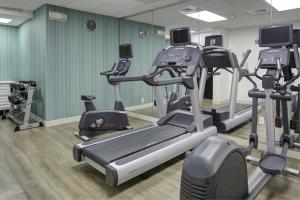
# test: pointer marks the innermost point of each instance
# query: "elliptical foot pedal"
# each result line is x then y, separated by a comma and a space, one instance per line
272, 163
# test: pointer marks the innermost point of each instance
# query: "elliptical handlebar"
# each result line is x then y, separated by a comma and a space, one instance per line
297, 57
245, 57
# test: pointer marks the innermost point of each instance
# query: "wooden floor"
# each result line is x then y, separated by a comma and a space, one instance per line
38, 164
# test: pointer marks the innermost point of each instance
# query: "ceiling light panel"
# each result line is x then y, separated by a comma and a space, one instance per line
206, 16
282, 5
5, 20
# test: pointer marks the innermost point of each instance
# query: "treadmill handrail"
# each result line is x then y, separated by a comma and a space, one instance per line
126, 79
187, 81
213, 48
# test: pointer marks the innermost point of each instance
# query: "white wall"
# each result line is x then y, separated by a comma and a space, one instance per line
199, 38
222, 82
239, 40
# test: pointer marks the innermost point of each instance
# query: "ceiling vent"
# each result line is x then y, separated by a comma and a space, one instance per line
57, 16
261, 11
188, 10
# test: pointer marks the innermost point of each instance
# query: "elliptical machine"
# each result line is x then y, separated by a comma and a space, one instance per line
217, 168
295, 103
93, 121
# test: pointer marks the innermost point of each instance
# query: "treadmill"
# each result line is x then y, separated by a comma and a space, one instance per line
127, 154
231, 115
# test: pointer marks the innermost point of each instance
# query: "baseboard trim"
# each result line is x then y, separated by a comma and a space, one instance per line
139, 107
221, 102
142, 117
68, 120
61, 121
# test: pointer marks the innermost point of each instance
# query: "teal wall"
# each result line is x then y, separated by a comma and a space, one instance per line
144, 52
8, 53
33, 57
76, 57
66, 59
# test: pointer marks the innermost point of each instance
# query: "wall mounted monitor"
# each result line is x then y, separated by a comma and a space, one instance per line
125, 51
276, 35
214, 40
180, 36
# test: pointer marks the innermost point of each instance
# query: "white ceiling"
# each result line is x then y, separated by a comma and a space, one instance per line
240, 13
237, 11
116, 8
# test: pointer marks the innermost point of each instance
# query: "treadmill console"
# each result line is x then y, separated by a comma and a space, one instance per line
125, 53
181, 53
123, 67
278, 38
269, 57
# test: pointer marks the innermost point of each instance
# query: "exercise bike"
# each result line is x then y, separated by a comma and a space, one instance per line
94, 121
217, 168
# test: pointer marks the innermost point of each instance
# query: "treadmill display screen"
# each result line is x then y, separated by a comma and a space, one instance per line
180, 36
125, 51
214, 40
276, 36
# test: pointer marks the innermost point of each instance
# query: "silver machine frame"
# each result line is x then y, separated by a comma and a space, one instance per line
20, 114
235, 118
160, 153
258, 179
177, 146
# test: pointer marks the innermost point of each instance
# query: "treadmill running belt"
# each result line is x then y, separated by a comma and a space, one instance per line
114, 149
238, 108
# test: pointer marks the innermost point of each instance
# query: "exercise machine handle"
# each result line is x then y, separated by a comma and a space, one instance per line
108, 72
297, 58
126, 79
245, 57
186, 81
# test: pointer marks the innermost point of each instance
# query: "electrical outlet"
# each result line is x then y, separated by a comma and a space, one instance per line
142, 100
261, 120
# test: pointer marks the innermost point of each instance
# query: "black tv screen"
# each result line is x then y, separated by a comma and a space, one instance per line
180, 36
214, 40
297, 37
125, 51
276, 36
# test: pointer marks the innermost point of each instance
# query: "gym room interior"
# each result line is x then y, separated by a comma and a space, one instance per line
149, 99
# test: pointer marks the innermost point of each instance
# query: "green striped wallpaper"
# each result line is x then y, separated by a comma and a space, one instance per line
66, 59
77, 56
144, 52
33, 57
8, 53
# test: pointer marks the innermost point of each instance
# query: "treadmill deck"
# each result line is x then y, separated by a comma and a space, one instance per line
121, 147
221, 113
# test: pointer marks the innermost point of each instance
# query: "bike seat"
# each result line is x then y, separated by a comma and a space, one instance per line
87, 97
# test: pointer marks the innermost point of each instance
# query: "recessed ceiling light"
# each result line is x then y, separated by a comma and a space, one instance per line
5, 20
206, 16
193, 31
282, 5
